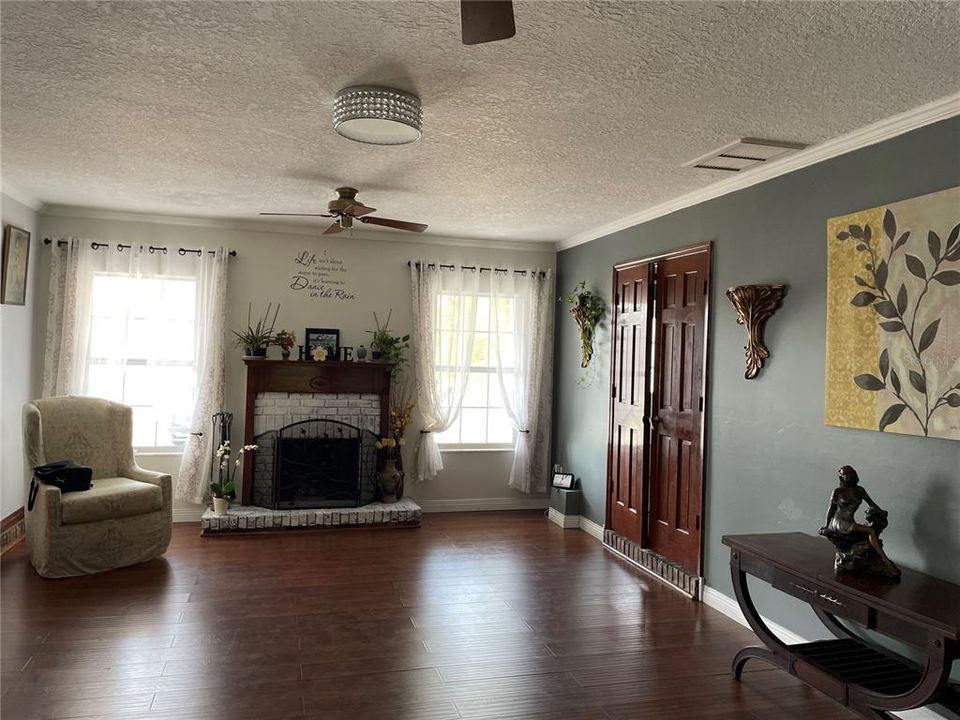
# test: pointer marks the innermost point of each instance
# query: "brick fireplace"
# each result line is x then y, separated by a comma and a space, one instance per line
281, 393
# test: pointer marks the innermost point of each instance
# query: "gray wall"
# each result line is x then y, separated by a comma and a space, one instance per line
771, 462
20, 374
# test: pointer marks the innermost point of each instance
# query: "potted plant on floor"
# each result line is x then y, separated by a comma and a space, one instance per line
224, 490
255, 339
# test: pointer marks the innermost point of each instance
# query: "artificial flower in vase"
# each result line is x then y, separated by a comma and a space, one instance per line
286, 340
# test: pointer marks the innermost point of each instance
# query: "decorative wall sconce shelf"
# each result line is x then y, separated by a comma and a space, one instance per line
755, 304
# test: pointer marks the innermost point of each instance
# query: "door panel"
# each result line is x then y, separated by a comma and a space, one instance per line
629, 402
675, 483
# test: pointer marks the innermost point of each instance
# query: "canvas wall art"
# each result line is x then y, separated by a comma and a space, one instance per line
893, 317
16, 255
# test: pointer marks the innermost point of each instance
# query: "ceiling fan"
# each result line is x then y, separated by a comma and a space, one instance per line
483, 21
346, 208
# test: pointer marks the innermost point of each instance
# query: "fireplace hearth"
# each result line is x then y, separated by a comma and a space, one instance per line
318, 463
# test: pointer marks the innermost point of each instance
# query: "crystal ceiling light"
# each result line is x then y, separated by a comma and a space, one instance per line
377, 115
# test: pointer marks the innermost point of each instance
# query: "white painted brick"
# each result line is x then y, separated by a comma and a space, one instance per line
274, 395
265, 402
289, 402
275, 411
337, 403
369, 411
370, 396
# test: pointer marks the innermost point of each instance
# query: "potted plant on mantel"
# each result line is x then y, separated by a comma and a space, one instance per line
257, 338
385, 346
224, 490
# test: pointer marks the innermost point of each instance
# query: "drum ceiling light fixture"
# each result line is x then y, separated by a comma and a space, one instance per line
377, 115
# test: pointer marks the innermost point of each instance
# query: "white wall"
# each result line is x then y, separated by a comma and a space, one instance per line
19, 376
376, 273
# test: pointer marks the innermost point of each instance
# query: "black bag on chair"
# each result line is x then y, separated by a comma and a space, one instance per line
66, 475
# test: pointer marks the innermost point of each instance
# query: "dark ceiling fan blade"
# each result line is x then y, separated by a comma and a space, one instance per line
358, 209
398, 224
333, 229
484, 21
300, 214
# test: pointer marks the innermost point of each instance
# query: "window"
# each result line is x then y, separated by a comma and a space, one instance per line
141, 352
483, 421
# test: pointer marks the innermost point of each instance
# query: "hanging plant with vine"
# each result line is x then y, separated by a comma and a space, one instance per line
587, 310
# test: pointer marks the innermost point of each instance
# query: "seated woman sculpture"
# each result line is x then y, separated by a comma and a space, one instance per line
859, 548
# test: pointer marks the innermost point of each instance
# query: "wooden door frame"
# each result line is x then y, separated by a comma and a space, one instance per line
703, 247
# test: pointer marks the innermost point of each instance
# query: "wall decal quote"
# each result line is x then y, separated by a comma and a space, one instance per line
321, 276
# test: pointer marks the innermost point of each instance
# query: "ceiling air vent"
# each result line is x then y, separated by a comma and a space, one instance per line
744, 154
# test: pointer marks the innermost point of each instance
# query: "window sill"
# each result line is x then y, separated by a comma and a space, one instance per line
459, 449
157, 453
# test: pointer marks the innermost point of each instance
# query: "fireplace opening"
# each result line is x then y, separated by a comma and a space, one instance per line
315, 464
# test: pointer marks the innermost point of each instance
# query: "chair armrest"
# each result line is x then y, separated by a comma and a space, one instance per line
148, 476
48, 507
135, 472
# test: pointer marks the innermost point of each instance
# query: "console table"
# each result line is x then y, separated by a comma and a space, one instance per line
920, 610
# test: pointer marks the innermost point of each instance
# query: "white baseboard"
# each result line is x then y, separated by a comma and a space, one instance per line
482, 504
564, 521
729, 607
188, 514
591, 528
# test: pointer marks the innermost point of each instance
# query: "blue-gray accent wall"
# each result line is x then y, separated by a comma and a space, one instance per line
770, 460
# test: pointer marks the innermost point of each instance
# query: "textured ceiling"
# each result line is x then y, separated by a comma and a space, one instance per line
223, 109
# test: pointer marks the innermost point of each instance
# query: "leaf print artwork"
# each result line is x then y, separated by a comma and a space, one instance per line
893, 318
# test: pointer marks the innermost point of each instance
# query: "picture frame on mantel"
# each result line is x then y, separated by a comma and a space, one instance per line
327, 338
16, 256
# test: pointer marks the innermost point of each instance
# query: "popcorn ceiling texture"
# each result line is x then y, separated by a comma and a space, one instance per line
223, 109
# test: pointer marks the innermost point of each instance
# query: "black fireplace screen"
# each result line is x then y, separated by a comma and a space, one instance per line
315, 464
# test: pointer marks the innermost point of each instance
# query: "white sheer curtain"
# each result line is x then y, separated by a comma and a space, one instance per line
523, 310
211, 331
147, 329
444, 323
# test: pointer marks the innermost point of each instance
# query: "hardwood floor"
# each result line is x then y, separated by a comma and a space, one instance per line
474, 615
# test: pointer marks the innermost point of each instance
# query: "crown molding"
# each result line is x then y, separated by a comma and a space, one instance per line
314, 231
942, 109
21, 196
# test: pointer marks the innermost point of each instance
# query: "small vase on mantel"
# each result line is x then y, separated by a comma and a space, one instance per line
389, 481
285, 353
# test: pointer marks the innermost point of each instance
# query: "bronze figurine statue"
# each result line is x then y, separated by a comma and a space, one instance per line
859, 548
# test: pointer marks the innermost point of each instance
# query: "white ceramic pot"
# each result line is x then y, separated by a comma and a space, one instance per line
220, 506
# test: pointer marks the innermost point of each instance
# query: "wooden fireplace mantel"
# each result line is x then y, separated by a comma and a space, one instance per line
307, 376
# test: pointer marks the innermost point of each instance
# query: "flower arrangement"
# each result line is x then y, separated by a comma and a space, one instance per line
257, 338
285, 339
385, 345
587, 310
225, 488
401, 409
390, 447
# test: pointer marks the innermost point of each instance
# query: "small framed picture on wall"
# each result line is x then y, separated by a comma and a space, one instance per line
16, 254
326, 338
563, 480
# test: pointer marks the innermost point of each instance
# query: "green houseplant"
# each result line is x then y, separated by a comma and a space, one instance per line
385, 345
255, 339
587, 310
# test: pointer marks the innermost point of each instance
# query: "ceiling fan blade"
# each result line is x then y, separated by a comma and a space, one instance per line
333, 229
300, 214
398, 224
483, 21
358, 209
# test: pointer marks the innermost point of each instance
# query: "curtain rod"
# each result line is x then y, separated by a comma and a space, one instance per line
473, 267
152, 248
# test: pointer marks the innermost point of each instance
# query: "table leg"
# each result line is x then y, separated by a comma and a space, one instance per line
776, 652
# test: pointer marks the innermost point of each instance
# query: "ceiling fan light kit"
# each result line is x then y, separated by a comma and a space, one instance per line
377, 115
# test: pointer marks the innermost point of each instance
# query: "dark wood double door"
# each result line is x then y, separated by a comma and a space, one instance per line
655, 463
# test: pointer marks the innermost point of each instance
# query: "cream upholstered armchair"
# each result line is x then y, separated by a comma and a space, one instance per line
125, 518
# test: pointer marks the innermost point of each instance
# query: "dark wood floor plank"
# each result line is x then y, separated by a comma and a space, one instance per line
471, 617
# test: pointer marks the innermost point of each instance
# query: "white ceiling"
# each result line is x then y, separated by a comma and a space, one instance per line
223, 109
